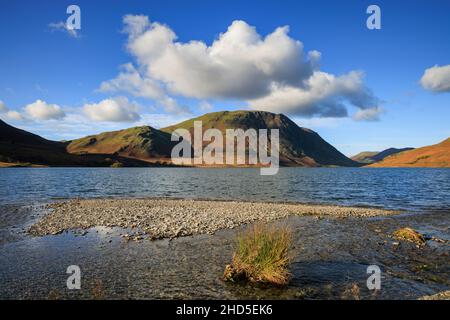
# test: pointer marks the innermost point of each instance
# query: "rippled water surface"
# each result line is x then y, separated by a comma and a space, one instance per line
330, 255
408, 188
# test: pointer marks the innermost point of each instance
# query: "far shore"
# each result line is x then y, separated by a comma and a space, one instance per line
165, 164
20, 165
160, 218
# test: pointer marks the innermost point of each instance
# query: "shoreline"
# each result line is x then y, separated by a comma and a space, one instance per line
331, 254
161, 218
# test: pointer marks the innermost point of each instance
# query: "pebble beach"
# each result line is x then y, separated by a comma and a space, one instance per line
171, 218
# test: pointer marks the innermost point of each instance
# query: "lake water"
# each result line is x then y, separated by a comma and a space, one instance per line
414, 189
330, 254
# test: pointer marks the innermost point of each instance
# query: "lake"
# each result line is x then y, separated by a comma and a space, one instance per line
414, 189
330, 254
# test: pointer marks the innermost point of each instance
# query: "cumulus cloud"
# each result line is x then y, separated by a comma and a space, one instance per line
436, 79
14, 115
62, 27
371, 114
272, 72
324, 95
239, 64
131, 81
3, 107
135, 24
8, 114
118, 109
41, 110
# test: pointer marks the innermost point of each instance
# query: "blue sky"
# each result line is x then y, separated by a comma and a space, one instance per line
41, 63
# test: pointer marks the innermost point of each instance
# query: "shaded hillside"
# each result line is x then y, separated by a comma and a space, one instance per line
20, 146
364, 157
138, 142
437, 155
298, 146
388, 152
375, 156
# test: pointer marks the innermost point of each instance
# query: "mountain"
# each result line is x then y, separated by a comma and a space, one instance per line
375, 156
437, 155
298, 146
365, 156
24, 148
139, 142
144, 145
388, 152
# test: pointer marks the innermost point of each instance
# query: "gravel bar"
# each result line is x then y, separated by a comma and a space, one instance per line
170, 218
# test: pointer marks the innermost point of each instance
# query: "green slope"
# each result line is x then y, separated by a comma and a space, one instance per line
139, 142
298, 146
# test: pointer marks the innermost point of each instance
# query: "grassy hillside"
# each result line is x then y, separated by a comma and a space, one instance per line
298, 146
437, 155
138, 142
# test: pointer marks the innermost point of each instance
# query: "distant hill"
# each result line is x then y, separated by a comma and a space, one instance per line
375, 156
364, 157
20, 147
298, 146
437, 155
139, 142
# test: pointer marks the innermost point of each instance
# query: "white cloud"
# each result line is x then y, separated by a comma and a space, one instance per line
371, 114
41, 110
205, 106
319, 123
130, 80
270, 73
135, 24
8, 114
436, 79
61, 26
3, 107
117, 109
240, 64
14, 116
171, 106
324, 95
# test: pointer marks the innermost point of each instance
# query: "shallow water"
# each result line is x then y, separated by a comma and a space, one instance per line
330, 255
408, 188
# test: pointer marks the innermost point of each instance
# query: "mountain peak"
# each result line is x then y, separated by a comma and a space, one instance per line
298, 146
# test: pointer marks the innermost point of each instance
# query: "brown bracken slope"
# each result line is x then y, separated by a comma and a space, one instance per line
437, 155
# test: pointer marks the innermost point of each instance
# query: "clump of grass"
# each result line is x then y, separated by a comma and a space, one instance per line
261, 256
409, 234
